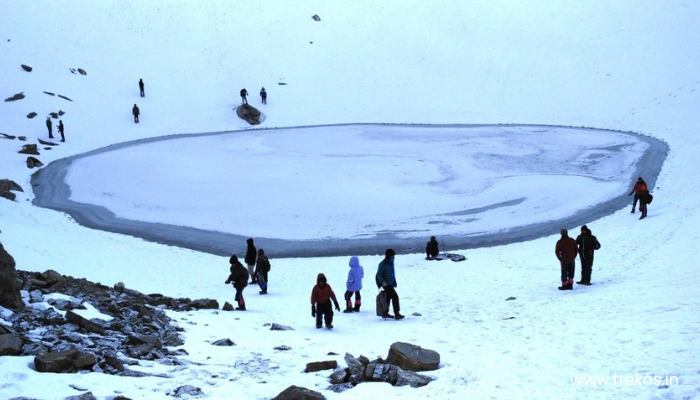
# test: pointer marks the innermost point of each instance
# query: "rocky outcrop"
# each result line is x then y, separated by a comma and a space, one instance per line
298, 393
186, 391
9, 289
31, 115
362, 370
10, 345
412, 357
15, 97
204, 304
320, 365
29, 149
6, 188
249, 114
71, 360
26, 68
33, 162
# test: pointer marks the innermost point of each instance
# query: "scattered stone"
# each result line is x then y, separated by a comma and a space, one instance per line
15, 97
54, 115
52, 277
10, 296
29, 149
47, 143
282, 83
339, 376
84, 396
413, 358
249, 114
50, 93
33, 162
27, 68
186, 390
66, 361
201, 304
341, 387
90, 325
64, 97
316, 18
82, 71
227, 306
279, 327
119, 287
332, 353
298, 393
10, 345
224, 342
510, 298
78, 388
6, 188
31, 115
6, 136
507, 318
35, 296
417, 314
321, 365
283, 347
61, 113
22, 138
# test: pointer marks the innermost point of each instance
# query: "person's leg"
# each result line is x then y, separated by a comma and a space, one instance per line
358, 301
328, 316
394, 298
634, 202
319, 316
348, 301
571, 273
262, 281
643, 209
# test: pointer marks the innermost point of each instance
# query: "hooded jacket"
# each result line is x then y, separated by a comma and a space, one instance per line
385, 273
355, 275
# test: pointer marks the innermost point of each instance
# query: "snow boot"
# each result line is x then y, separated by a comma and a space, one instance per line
263, 291
348, 310
387, 315
399, 316
357, 307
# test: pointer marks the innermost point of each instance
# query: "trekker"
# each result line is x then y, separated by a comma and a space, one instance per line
565, 251
354, 285
263, 95
587, 244
386, 279
639, 187
239, 279
244, 94
135, 110
431, 249
49, 126
321, 297
141, 85
262, 267
250, 256
61, 130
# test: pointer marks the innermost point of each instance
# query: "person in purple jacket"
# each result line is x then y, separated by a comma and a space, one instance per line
354, 285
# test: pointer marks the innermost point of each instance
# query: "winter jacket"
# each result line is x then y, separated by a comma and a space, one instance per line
639, 188
251, 254
355, 275
385, 274
322, 294
238, 276
135, 110
262, 265
244, 92
431, 249
566, 250
587, 244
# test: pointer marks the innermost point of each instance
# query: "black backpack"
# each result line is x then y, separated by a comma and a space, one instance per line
649, 198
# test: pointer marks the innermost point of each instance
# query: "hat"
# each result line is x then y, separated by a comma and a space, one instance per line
564, 232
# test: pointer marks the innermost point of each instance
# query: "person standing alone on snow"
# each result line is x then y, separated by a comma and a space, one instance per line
386, 279
262, 267
250, 256
354, 285
141, 85
639, 187
587, 244
432, 249
263, 95
244, 94
239, 279
566, 250
321, 297
61, 129
136, 112
49, 126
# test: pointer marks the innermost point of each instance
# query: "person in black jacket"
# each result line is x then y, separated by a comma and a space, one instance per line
244, 96
136, 112
141, 85
431, 249
239, 279
61, 129
586, 244
263, 95
250, 256
49, 125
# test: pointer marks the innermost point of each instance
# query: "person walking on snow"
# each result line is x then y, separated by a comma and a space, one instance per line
263, 95
250, 256
239, 279
386, 279
639, 187
262, 267
432, 249
587, 244
321, 297
354, 285
244, 94
61, 130
49, 126
141, 85
136, 112
565, 251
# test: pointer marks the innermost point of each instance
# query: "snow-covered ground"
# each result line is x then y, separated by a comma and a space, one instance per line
623, 65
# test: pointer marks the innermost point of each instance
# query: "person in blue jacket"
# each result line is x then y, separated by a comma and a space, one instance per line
354, 285
386, 279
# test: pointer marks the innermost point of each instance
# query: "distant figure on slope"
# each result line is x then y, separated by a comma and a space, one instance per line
321, 297
386, 279
263, 95
239, 279
49, 126
565, 251
262, 267
61, 130
141, 86
587, 244
639, 187
136, 112
250, 256
244, 95
354, 285
431, 249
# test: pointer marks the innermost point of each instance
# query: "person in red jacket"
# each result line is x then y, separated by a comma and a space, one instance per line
321, 297
566, 251
639, 188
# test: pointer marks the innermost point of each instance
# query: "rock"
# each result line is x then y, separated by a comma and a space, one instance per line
88, 325
413, 358
64, 97
8, 195
141, 350
22, 138
340, 387
227, 306
200, 304
284, 347
412, 379
15, 97
84, 396
249, 114
119, 287
510, 298
153, 340
53, 115
50, 93
224, 342
187, 390
47, 143
31, 115
340, 375
33, 162
279, 327
29, 149
6, 185
364, 360
321, 365
35, 296
417, 314
82, 71
6, 136
10, 345
316, 18
64, 361
10, 296
51, 277
298, 393
27, 68
61, 113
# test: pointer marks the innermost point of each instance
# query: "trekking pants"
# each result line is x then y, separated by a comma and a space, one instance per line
348, 299
393, 297
586, 268
567, 270
324, 311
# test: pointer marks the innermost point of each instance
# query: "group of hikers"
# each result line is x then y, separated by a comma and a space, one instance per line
61, 129
244, 95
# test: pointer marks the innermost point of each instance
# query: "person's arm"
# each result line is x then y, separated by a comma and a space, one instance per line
335, 301
313, 302
557, 251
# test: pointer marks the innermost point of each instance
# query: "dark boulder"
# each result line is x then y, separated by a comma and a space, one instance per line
279, 327
82, 71
87, 324
298, 393
249, 114
27, 68
15, 97
413, 358
64, 361
10, 345
47, 143
33, 162
9, 287
202, 304
84, 396
64, 97
29, 149
321, 365
227, 306
187, 390
31, 115
224, 342
316, 18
